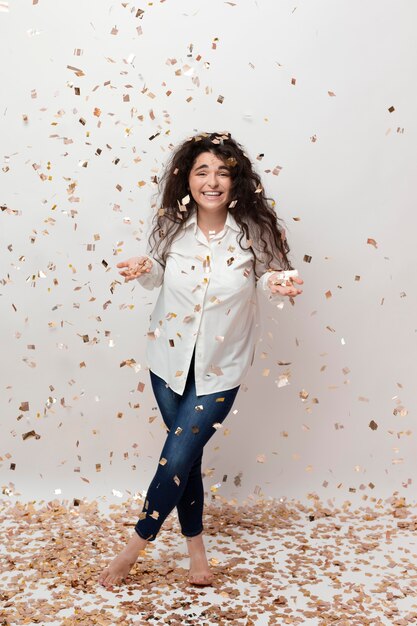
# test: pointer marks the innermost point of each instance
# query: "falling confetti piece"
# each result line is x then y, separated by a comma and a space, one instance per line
29, 435
372, 242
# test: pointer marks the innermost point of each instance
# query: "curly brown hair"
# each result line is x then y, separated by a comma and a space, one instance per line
251, 209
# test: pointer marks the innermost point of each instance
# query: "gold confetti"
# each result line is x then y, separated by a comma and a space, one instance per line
373, 425
163, 461
30, 435
178, 431
372, 242
303, 394
176, 481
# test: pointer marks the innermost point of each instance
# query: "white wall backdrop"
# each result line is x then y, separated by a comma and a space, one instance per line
93, 97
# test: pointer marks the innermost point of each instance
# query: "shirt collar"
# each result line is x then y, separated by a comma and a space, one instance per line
230, 222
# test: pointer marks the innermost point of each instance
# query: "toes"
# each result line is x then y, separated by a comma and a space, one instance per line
107, 580
207, 579
103, 577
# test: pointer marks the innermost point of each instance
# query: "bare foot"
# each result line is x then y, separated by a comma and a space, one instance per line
200, 573
121, 565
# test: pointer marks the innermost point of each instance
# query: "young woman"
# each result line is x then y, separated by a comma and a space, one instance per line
216, 241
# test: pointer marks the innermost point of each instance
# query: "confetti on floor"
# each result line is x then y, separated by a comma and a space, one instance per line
275, 563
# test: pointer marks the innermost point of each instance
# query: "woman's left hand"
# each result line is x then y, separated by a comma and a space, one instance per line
284, 287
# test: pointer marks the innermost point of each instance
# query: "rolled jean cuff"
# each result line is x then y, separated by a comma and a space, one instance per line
193, 534
150, 538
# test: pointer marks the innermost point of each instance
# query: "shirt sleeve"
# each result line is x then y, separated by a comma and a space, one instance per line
154, 278
263, 269
262, 286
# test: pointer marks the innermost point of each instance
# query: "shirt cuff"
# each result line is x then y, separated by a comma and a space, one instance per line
262, 285
154, 278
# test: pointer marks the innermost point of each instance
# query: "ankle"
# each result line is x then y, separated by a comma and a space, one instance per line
136, 544
195, 545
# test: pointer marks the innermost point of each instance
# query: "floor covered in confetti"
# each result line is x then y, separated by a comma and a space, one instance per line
275, 563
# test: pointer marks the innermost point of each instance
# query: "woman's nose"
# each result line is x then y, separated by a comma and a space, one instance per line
212, 180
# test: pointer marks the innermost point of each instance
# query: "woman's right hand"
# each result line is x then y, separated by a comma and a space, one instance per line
135, 267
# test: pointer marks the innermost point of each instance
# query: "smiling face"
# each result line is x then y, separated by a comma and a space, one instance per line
210, 183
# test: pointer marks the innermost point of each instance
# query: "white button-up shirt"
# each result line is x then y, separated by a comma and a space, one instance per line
208, 301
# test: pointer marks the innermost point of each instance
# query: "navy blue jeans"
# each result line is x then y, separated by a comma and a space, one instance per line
190, 420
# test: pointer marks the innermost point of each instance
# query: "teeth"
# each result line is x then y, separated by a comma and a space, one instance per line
211, 193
